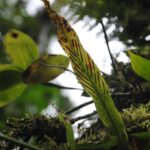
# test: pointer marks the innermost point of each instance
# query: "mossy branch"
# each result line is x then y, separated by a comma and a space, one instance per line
17, 142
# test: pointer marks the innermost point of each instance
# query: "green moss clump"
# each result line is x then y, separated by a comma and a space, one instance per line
39, 130
137, 118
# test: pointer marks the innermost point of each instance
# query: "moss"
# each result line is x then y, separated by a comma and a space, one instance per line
137, 118
39, 129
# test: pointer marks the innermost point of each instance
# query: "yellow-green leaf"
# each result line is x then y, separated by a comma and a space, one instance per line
4, 67
70, 136
45, 69
9, 78
11, 93
9, 75
145, 135
11, 85
89, 76
140, 65
21, 49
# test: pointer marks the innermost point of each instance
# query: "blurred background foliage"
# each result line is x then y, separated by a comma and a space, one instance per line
13, 14
132, 27
32, 101
131, 18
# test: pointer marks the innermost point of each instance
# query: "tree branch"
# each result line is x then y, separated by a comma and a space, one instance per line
91, 101
83, 117
61, 87
107, 43
17, 142
53, 66
78, 107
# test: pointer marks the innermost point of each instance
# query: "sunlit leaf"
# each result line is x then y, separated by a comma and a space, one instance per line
21, 49
45, 69
89, 76
69, 130
140, 65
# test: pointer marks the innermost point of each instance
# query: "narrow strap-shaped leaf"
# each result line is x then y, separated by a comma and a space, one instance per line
145, 135
89, 76
70, 137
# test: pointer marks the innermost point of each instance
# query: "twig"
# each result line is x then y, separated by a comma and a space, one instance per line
83, 117
17, 142
121, 94
104, 73
61, 87
106, 39
53, 66
78, 107
63, 68
91, 101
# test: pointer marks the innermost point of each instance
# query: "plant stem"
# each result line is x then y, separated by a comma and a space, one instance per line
54, 66
17, 142
61, 87
78, 107
107, 43
91, 101
83, 117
